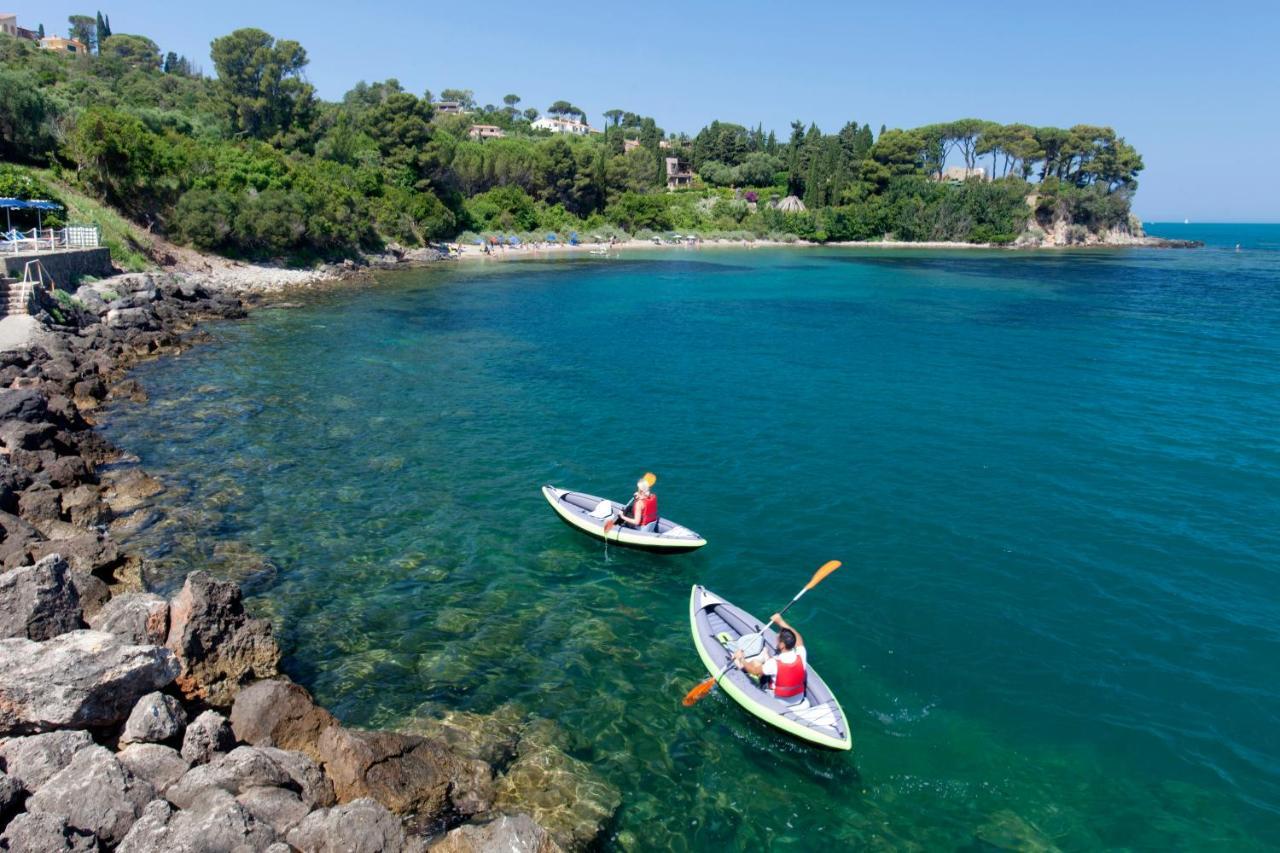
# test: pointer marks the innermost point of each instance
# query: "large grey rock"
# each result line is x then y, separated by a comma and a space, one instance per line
361, 826
220, 648
207, 736
281, 714
33, 760
314, 787
243, 768
157, 764
155, 719
132, 318
279, 808
95, 793
76, 680
39, 602
135, 617
517, 833
36, 832
214, 823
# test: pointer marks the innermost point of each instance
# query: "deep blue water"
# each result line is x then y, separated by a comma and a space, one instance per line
1053, 478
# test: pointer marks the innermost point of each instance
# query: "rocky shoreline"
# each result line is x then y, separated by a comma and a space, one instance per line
132, 722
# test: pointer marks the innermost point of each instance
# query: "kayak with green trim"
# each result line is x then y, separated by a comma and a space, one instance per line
716, 626
588, 514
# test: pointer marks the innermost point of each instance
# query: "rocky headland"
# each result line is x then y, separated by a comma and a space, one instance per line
134, 722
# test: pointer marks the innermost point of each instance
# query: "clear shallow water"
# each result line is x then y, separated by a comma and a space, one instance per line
1054, 480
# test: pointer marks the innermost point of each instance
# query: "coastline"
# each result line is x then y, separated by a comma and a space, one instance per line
172, 716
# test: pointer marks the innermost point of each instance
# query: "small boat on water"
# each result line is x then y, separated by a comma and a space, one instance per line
588, 514
716, 626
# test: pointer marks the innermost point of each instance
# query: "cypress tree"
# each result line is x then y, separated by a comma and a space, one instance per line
40, 31
100, 32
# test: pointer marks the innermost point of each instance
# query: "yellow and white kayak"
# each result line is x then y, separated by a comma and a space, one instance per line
588, 514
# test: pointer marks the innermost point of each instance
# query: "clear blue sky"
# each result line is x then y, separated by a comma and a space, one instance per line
1194, 85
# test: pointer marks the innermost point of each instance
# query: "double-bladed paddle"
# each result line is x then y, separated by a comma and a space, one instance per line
704, 687
649, 478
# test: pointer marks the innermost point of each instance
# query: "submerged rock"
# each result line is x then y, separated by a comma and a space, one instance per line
491, 737
39, 602
219, 647
95, 793
76, 680
561, 793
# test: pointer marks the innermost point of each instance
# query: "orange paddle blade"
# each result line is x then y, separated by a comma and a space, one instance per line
608, 525
703, 688
818, 576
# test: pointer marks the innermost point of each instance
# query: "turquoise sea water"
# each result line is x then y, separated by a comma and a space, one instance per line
1053, 478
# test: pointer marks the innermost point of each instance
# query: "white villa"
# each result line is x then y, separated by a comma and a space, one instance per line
563, 125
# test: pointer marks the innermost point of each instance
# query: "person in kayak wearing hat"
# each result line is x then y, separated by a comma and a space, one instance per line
643, 508
784, 673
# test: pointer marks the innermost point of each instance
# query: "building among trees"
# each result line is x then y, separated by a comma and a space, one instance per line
9, 26
67, 45
563, 125
679, 175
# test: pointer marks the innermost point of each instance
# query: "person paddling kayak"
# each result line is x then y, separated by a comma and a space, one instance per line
643, 508
785, 672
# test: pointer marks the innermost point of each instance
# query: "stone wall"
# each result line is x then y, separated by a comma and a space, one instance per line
64, 266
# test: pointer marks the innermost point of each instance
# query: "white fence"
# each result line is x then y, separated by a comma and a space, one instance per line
49, 239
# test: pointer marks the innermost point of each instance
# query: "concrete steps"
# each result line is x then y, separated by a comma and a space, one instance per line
15, 297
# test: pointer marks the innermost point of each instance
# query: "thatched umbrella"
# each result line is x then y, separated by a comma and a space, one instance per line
791, 204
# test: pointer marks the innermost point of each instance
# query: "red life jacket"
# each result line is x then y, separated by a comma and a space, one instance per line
790, 678
648, 509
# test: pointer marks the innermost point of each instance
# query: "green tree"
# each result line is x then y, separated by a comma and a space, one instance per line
260, 81
531, 114
101, 31
83, 29
137, 52
511, 101
465, 97
27, 117
40, 31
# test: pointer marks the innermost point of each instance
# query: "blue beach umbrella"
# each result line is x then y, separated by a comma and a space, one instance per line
551, 238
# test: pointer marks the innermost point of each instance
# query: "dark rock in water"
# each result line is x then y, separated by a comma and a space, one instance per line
155, 719
279, 713
493, 737
95, 793
362, 826
11, 794
406, 773
32, 761
157, 764
313, 786
76, 680
86, 551
220, 648
23, 404
207, 736
46, 833
39, 602
517, 833
136, 617
279, 808
214, 822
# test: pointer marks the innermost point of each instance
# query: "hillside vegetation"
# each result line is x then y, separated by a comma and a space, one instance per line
252, 164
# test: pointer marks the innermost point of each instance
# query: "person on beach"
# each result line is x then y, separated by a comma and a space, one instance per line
782, 676
644, 509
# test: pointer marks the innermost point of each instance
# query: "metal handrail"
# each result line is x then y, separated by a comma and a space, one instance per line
51, 239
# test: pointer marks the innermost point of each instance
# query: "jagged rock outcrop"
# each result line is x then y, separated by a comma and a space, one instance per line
281, 714
137, 617
219, 646
158, 764
514, 833
39, 602
214, 821
243, 768
33, 760
46, 833
76, 680
361, 826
